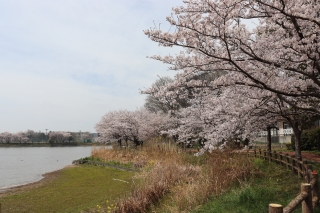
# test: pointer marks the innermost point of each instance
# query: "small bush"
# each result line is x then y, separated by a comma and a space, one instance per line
288, 146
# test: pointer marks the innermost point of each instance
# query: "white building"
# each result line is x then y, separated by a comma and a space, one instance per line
280, 134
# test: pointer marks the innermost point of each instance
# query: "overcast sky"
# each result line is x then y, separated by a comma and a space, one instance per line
66, 63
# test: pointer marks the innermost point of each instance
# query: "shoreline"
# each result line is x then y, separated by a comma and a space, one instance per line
47, 177
42, 144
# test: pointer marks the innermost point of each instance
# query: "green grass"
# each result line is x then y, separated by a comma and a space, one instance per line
111, 163
76, 189
275, 185
120, 165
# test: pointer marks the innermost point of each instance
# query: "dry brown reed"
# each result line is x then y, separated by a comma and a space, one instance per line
168, 171
219, 173
138, 156
156, 183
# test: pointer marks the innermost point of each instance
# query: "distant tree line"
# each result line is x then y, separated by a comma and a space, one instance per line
31, 136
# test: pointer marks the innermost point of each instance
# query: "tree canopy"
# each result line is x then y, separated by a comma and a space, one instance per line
233, 79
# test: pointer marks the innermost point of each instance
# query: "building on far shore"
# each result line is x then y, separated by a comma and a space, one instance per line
280, 134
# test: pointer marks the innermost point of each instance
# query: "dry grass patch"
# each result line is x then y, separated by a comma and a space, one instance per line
156, 183
220, 172
185, 181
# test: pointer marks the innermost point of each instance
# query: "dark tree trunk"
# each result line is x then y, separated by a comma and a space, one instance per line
137, 142
318, 141
175, 138
269, 139
297, 135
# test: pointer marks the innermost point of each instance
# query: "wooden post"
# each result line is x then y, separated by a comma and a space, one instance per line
260, 153
281, 158
300, 169
287, 160
315, 189
295, 202
264, 154
307, 202
269, 156
255, 153
275, 208
308, 169
275, 156
293, 164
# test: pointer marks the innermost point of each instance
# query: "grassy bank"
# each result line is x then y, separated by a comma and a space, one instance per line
83, 188
173, 181
178, 181
275, 185
168, 180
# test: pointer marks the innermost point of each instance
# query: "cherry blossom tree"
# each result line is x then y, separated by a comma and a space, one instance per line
153, 125
85, 136
59, 137
280, 55
119, 125
108, 128
215, 116
6, 137
136, 126
157, 104
20, 137
220, 116
111, 128
152, 103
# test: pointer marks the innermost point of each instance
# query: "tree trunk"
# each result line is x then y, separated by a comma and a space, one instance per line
175, 138
297, 135
269, 139
318, 140
137, 142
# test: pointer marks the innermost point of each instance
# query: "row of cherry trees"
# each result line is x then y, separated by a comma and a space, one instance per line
19, 137
233, 79
270, 71
31, 136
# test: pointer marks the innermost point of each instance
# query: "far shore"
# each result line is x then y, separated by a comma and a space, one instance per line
44, 144
47, 177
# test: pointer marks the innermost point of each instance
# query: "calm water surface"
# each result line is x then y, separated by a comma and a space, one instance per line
22, 165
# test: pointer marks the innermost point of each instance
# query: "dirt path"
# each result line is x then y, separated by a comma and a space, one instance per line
306, 156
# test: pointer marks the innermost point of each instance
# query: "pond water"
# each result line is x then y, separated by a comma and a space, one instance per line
22, 165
